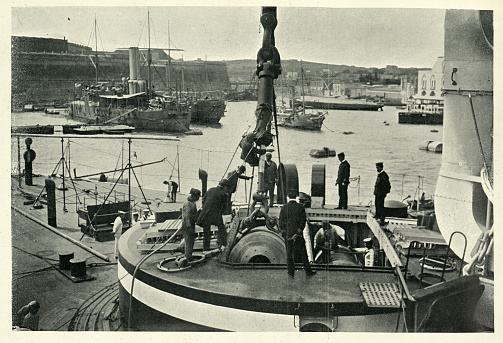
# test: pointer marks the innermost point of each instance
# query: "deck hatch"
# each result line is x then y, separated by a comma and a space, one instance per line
382, 295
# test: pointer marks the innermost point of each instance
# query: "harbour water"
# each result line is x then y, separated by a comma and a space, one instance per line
369, 140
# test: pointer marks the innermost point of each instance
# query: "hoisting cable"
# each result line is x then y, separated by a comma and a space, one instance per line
276, 122
477, 132
232, 159
122, 169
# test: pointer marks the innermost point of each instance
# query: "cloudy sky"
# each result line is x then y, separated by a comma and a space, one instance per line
386, 33
371, 37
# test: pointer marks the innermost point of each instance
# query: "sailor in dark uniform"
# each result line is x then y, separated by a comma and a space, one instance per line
292, 220
233, 177
214, 205
343, 180
381, 189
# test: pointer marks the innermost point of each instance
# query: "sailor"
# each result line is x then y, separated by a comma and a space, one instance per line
117, 231
343, 181
292, 221
381, 189
33, 307
233, 177
168, 194
325, 241
189, 218
214, 205
368, 250
270, 177
249, 152
174, 189
28, 316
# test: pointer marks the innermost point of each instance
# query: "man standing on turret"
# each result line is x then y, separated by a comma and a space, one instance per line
270, 177
343, 181
381, 189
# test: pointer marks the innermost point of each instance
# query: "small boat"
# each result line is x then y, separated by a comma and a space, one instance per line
117, 129
434, 130
299, 118
34, 129
325, 152
431, 146
51, 111
348, 132
33, 108
87, 130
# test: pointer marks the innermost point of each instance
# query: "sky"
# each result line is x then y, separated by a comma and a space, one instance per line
367, 37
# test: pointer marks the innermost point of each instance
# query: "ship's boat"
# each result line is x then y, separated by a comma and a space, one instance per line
34, 129
301, 118
321, 153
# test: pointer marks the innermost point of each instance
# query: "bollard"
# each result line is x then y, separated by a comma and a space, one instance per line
50, 187
64, 260
77, 267
29, 155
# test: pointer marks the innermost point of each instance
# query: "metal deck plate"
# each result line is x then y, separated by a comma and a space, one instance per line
380, 294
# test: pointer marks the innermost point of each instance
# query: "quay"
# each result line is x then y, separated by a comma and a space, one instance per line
36, 250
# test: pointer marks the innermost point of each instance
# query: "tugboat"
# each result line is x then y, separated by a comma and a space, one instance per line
243, 286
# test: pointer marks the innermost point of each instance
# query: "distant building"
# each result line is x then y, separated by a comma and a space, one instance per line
385, 92
356, 90
292, 75
429, 97
338, 89
391, 69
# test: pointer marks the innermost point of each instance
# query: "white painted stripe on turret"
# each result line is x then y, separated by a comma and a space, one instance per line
213, 316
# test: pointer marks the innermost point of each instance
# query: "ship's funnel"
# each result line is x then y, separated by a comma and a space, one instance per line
134, 57
460, 201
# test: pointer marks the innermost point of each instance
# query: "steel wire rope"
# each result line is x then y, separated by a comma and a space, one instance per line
138, 265
234, 154
141, 32
98, 33
99, 304
477, 131
184, 146
93, 148
90, 35
83, 308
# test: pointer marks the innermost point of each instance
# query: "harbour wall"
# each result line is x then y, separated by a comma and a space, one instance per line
45, 76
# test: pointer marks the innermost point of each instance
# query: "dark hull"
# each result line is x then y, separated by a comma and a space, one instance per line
34, 129
172, 118
420, 118
207, 111
343, 106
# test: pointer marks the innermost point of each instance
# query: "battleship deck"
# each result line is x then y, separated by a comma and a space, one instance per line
247, 293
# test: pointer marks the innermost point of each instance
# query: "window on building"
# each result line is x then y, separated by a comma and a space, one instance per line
424, 82
432, 93
423, 93
432, 82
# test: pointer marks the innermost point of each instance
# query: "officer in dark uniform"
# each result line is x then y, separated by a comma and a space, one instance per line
381, 189
343, 180
292, 220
